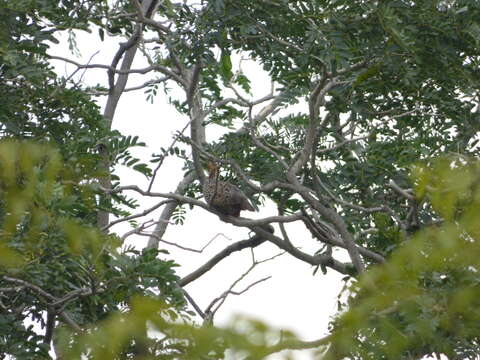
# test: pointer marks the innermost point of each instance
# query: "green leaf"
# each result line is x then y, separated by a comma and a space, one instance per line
226, 66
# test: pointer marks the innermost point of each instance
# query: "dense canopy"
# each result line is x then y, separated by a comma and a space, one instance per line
368, 140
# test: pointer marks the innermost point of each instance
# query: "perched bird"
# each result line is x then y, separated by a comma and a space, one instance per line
223, 196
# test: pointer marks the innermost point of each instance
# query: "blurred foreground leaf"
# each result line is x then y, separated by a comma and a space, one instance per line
425, 299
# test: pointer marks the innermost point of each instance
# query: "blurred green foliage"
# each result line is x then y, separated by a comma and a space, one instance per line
44, 242
245, 338
425, 299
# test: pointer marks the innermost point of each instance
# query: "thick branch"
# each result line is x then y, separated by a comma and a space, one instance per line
316, 100
240, 245
408, 194
197, 116
336, 220
321, 259
187, 200
128, 52
310, 224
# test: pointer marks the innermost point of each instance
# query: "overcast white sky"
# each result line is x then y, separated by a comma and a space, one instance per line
292, 299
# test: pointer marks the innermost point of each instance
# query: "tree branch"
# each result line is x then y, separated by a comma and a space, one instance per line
55, 302
133, 88
408, 193
116, 89
298, 345
316, 100
135, 216
238, 246
319, 234
321, 259
167, 212
126, 71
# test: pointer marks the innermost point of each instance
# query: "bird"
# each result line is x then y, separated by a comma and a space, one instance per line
222, 195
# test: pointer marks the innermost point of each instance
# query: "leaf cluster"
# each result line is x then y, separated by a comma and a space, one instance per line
424, 301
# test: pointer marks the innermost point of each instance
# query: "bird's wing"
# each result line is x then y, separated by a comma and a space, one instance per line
240, 198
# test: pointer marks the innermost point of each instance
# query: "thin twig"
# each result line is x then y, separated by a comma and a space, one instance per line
199, 251
219, 301
162, 158
135, 216
133, 88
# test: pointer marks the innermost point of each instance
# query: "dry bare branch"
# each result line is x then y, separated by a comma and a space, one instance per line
219, 301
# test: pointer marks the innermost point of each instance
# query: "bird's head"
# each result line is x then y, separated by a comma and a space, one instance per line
212, 168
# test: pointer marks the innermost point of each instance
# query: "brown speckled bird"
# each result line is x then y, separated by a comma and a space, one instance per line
223, 196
